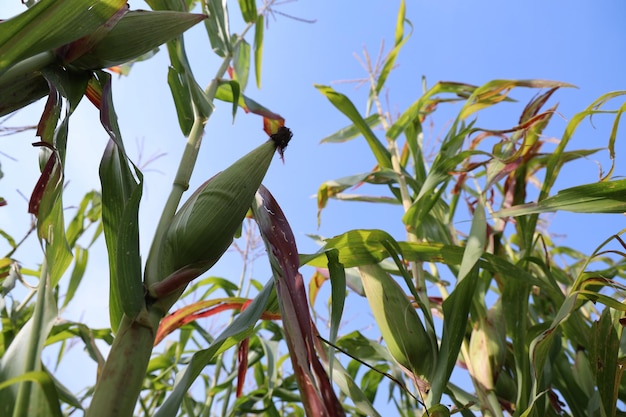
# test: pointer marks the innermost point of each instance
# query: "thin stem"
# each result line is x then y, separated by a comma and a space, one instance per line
185, 168
407, 201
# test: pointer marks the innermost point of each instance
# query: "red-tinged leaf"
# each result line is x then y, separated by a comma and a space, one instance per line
242, 370
320, 276
50, 178
94, 93
271, 125
318, 397
240, 328
201, 309
49, 116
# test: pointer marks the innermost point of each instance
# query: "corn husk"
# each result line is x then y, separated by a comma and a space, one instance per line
204, 227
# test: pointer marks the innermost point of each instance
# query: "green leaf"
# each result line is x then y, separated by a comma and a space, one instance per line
45, 381
241, 328
182, 99
258, 49
241, 63
352, 131
121, 193
497, 91
136, 33
426, 104
604, 352
248, 10
21, 91
80, 265
600, 197
50, 24
338, 298
217, 27
343, 104
23, 355
476, 241
390, 62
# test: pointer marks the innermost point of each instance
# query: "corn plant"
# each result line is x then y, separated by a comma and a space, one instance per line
534, 336
60, 50
536, 326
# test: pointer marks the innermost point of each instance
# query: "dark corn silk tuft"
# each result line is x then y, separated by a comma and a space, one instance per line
281, 138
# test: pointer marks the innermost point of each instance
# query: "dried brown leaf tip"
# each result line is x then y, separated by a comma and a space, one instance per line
281, 138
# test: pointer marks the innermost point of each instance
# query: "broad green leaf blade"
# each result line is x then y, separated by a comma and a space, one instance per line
120, 203
182, 99
600, 197
217, 27
121, 193
248, 10
476, 241
241, 63
46, 383
21, 91
191, 101
24, 355
352, 131
338, 298
604, 350
343, 104
363, 247
50, 24
258, 49
136, 34
455, 310
239, 329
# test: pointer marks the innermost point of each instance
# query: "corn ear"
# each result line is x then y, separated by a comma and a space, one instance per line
487, 347
398, 321
204, 227
135, 34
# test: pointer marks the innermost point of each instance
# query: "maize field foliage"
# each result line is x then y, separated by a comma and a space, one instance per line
534, 326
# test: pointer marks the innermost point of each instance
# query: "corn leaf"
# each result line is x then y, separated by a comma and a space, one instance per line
258, 49
600, 197
241, 328
317, 393
45, 381
136, 33
121, 193
50, 24
217, 27
457, 306
343, 104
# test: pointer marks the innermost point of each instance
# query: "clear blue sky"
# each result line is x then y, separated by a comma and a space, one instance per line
582, 43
